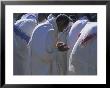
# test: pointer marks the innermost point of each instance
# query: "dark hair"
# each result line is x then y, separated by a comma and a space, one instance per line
62, 18
42, 16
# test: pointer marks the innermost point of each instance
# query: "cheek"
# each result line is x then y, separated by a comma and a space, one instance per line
62, 26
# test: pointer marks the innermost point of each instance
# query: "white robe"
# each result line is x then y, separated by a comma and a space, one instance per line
32, 16
43, 49
21, 50
83, 58
62, 56
73, 35
50, 17
26, 25
74, 31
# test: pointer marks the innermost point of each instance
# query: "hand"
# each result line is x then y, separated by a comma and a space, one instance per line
62, 46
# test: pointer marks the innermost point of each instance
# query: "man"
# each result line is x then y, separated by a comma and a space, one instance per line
22, 32
42, 17
62, 55
27, 23
75, 30
83, 58
43, 46
74, 33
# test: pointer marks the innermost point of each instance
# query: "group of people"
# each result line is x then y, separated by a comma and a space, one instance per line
54, 45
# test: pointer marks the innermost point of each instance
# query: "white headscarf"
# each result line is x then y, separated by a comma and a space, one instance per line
30, 16
50, 17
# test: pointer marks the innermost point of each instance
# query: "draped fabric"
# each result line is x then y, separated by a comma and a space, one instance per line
43, 49
22, 31
83, 58
73, 35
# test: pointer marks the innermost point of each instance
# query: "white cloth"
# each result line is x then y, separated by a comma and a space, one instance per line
21, 57
21, 50
50, 17
73, 35
31, 16
74, 31
83, 58
43, 49
62, 56
26, 25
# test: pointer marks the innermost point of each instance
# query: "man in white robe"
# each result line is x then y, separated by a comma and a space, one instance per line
43, 46
73, 35
83, 58
74, 31
62, 37
62, 56
22, 32
27, 23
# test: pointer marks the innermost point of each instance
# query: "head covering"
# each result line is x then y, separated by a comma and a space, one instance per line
30, 16
63, 17
51, 16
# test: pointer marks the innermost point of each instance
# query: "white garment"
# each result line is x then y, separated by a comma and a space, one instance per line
32, 16
62, 56
74, 31
50, 17
21, 50
83, 58
73, 35
26, 25
43, 49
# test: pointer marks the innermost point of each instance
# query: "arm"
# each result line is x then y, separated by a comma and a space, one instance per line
51, 41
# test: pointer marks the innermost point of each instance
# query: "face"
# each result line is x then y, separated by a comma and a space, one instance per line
61, 26
41, 17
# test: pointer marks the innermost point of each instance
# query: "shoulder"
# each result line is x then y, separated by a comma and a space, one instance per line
90, 28
78, 23
29, 21
18, 22
25, 21
44, 25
